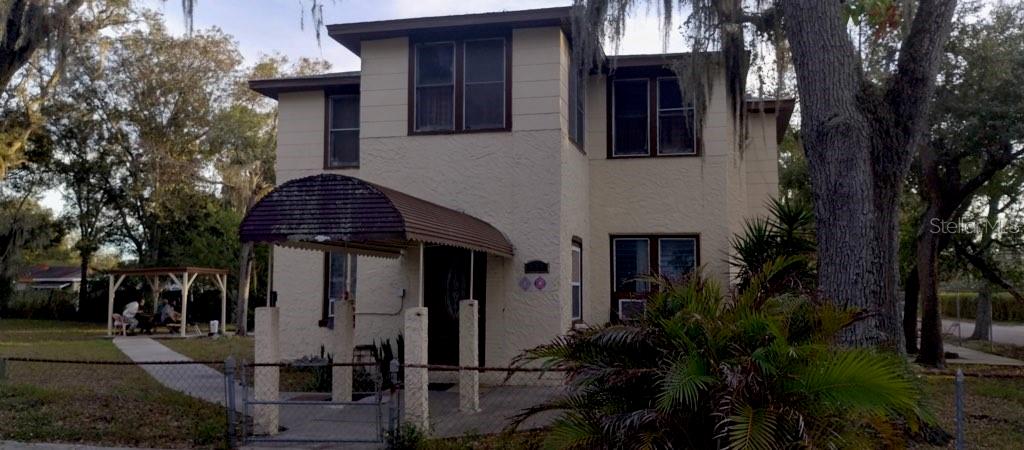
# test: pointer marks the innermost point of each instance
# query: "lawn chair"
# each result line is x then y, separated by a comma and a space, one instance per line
119, 322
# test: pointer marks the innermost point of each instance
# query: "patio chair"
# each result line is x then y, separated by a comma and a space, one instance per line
119, 322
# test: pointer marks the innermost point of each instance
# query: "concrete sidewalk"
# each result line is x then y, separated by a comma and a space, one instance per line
196, 380
1001, 333
970, 356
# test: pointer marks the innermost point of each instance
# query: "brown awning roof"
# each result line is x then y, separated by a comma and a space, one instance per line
166, 270
331, 212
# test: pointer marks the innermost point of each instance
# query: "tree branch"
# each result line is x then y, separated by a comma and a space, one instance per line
988, 270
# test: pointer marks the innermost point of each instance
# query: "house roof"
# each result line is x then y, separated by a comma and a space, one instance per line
271, 87
351, 34
51, 273
782, 108
336, 212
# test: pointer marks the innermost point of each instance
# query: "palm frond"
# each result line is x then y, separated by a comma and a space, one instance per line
682, 383
752, 429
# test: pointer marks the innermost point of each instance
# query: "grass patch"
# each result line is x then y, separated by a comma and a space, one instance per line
293, 379
95, 404
994, 410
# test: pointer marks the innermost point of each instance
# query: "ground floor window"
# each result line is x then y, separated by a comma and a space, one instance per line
340, 281
635, 257
577, 279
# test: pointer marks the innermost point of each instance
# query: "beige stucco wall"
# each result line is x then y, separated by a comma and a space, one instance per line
532, 183
512, 180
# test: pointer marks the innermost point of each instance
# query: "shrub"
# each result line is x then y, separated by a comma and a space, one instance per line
699, 370
406, 437
43, 304
1004, 307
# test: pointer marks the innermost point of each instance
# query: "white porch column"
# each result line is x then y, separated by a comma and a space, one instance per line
416, 397
342, 336
469, 356
110, 305
267, 378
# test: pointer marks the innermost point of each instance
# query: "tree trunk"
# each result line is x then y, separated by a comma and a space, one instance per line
83, 287
983, 316
931, 352
242, 305
910, 302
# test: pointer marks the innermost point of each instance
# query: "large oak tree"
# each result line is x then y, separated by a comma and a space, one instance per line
859, 132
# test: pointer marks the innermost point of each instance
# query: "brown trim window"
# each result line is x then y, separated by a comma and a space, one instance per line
650, 116
635, 257
460, 86
577, 279
577, 106
339, 282
342, 131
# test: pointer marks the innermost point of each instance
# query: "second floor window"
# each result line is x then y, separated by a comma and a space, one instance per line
577, 105
651, 116
460, 86
343, 131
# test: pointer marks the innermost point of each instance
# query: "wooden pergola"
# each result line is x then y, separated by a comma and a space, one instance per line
184, 276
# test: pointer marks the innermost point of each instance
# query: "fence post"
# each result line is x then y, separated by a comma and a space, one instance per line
229, 393
960, 409
267, 379
417, 408
469, 356
3, 369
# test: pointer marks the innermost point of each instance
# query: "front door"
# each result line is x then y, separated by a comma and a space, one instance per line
445, 283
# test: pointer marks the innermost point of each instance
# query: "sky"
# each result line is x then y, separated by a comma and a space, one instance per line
276, 26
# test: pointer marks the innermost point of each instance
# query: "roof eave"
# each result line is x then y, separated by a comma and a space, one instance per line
351, 35
272, 87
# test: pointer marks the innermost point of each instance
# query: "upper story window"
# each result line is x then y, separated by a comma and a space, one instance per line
577, 104
650, 116
460, 85
342, 131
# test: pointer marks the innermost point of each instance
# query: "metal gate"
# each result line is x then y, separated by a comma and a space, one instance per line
312, 417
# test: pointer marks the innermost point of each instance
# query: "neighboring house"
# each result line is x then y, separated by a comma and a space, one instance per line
50, 277
478, 122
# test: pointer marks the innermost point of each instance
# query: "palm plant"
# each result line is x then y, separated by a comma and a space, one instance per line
699, 370
787, 232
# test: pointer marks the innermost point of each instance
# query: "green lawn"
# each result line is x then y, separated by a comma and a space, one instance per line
94, 404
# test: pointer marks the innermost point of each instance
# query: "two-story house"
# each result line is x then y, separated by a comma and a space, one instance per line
467, 156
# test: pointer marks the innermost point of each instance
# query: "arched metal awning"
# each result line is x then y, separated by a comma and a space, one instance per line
331, 212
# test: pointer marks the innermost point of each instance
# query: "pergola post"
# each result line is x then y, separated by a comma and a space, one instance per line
469, 356
222, 283
111, 289
416, 412
186, 284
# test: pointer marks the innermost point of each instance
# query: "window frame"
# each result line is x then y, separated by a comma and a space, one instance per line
576, 248
657, 121
327, 312
414, 93
458, 105
652, 74
328, 94
654, 264
504, 82
611, 148
329, 123
577, 106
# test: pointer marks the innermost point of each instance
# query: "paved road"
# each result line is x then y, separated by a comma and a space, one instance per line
1001, 333
196, 380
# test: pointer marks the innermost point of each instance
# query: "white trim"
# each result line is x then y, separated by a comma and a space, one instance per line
660, 252
504, 86
576, 248
416, 84
615, 256
647, 112
657, 120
